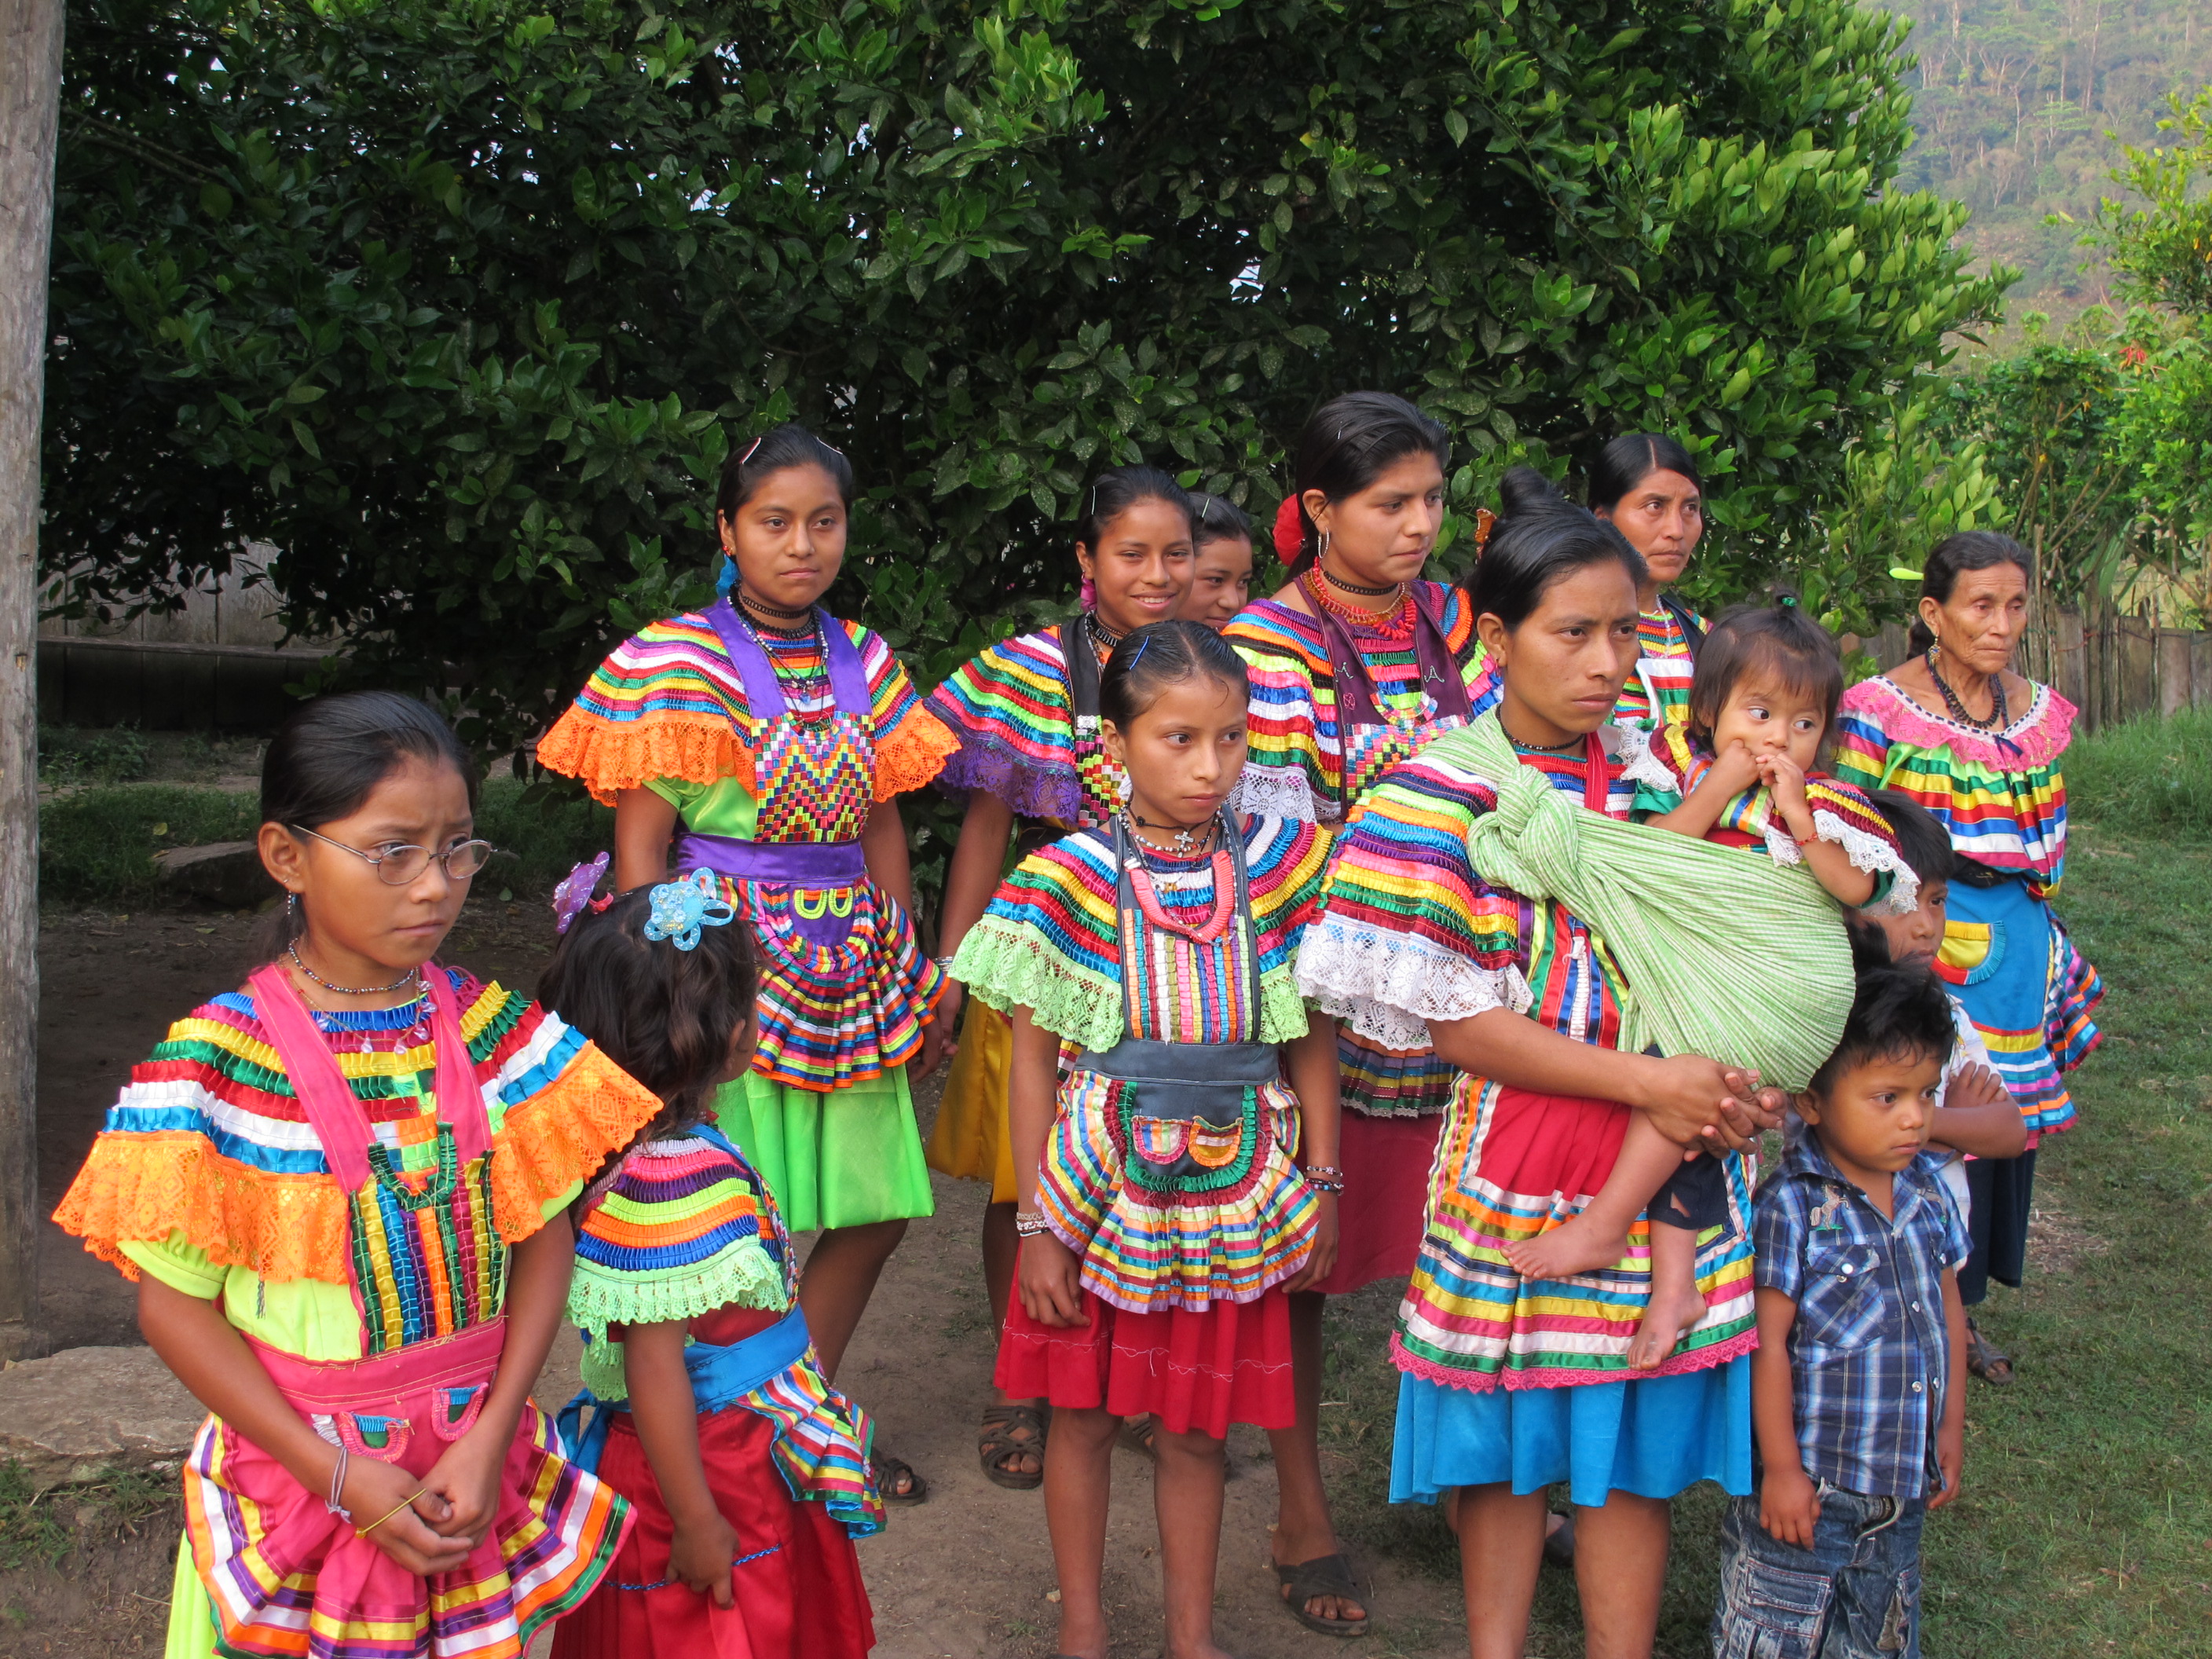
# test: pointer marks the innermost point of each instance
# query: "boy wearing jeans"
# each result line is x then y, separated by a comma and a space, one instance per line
1858, 1396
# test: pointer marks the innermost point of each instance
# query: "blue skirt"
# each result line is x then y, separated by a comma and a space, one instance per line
1655, 1437
2027, 991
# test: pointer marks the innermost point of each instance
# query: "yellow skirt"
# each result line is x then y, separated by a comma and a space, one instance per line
971, 1141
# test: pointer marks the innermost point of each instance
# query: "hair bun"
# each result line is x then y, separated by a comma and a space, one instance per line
1525, 490
1290, 528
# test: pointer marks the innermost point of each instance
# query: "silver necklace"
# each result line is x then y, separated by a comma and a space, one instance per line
412, 974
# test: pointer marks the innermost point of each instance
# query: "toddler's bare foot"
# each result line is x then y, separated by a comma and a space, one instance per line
1576, 1246
1671, 1312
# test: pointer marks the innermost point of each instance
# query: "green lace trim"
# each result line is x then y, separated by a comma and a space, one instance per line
743, 1274
1007, 966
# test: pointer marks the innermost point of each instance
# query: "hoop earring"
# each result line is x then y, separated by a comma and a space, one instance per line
1326, 538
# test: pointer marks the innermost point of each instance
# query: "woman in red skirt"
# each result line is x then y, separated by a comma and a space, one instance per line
748, 1473
1163, 1211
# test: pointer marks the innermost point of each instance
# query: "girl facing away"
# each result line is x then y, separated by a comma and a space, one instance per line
1221, 565
1163, 1211
748, 1473
1741, 770
344, 1190
1032, 751
768, 740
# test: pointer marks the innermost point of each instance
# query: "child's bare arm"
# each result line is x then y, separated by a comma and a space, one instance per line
644, 823
1789, 1501
661, 1404
1831, 866
1979, 1116
1311, 1064
1050, 1280
208, 1357
1951, 1432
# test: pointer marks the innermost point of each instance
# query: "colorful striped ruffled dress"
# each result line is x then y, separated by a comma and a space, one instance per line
1505, 1379
1671, 765
208, 1175
1296, 766
2003, 797
1022, 739
825, 1112
687, 1230
1659, 690
1178, 1273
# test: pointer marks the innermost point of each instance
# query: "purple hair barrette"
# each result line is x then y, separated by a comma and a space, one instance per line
575, 891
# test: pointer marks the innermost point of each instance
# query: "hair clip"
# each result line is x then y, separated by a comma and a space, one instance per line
681, 907
748, 455
1785, 601
575, 890
1143, 646
1485, 522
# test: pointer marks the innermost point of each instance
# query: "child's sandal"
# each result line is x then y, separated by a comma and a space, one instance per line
889, 1471
1324, 1575
998, 1448
1983, 1359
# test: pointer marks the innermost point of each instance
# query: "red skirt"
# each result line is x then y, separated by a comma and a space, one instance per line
1194, 1371
1386, 1190
799, 1597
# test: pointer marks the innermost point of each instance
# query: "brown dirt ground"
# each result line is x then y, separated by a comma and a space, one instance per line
967, 1574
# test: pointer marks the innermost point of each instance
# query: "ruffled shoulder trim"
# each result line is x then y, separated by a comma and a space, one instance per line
1268, 632
1048, 943
664, 704
1008, 709
148, 1188
559, 1126
913, 753
685, 1228
2038, 738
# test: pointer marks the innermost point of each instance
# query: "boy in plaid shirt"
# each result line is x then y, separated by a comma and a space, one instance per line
1858, 1387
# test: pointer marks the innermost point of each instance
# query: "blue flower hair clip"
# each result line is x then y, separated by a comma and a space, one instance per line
682, 906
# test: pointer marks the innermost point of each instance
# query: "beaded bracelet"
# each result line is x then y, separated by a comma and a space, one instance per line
1028, 1224
1324, 1177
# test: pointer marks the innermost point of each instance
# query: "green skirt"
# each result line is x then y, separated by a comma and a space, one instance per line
841, 1159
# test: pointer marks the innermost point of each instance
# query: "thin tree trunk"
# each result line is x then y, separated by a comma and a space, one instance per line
30, 85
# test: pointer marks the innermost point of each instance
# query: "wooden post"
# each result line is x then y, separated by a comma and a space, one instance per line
30, 92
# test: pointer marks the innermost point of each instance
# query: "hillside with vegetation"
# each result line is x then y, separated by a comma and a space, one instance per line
2014, 103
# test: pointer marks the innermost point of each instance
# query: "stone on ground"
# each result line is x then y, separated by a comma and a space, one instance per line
84, 1411
225, 872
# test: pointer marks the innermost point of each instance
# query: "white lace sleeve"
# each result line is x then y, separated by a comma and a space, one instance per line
1643, 764
1389, 986
1866, 850
1279, 792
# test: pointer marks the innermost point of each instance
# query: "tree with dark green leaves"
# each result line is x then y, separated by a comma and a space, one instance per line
460, 304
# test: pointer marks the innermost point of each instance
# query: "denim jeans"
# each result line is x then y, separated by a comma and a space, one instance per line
1855, 1595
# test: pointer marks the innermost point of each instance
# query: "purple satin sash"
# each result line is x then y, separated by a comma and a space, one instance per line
848, 680
800, 863
819, 866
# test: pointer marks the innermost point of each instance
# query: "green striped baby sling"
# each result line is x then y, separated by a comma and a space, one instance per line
1726, 953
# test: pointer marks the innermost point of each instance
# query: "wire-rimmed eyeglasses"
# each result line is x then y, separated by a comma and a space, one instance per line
398, 865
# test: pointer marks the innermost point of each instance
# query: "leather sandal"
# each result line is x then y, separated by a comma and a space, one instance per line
1010, 1434
1324, 1575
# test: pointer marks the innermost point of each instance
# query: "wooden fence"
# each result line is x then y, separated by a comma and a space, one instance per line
2111, 667
215, 664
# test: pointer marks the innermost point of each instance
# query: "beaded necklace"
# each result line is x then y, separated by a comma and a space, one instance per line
1997, 720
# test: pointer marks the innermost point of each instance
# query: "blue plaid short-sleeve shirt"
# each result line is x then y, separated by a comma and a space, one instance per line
1869, 1355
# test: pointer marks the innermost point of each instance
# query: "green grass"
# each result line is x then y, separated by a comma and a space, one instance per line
2148, 777
2084, 1526
96, 845
69, 754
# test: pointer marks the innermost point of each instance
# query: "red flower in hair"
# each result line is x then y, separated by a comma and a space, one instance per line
1290, 528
